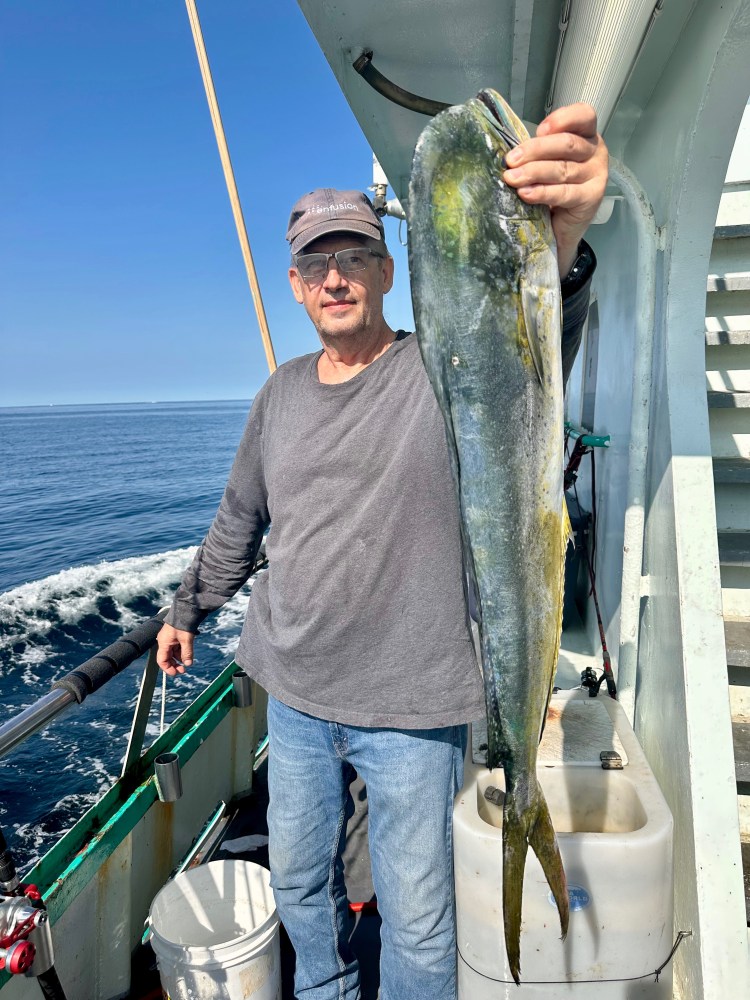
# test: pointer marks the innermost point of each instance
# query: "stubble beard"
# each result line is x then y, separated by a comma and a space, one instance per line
356, 330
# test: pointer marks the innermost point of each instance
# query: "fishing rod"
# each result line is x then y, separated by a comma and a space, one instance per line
585, 444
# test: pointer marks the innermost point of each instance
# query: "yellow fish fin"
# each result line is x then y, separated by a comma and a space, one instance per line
530, 306
566, 537
567, 528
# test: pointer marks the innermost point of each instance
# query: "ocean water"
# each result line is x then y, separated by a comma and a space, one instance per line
101, 509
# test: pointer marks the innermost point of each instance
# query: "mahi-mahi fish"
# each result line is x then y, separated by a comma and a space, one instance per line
486, 295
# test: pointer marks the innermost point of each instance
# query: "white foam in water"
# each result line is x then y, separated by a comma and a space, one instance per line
36, 640
34, 609
36, 838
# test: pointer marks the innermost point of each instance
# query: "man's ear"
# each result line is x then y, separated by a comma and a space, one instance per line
388, 267
296, 282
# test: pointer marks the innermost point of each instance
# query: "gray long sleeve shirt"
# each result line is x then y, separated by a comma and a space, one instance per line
361, 617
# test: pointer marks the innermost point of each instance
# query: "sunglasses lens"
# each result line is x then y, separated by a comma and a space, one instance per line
312, 265
352, 260
315, 265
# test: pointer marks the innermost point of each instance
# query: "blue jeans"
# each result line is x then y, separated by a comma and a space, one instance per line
412, 777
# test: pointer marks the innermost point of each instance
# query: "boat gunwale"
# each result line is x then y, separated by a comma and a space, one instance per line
73, 861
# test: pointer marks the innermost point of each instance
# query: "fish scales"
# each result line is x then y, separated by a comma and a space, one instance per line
486, 297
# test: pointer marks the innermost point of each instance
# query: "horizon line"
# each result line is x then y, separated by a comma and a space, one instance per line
127, 402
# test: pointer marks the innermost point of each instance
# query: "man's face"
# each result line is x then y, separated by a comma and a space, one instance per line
344, 304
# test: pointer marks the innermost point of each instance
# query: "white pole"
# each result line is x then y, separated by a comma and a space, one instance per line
635, 517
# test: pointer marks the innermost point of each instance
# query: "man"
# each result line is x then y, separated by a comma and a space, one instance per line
359, 631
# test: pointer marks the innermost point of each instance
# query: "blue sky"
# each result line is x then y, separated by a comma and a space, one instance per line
122, 278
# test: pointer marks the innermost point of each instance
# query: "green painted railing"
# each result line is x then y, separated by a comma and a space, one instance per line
73, 861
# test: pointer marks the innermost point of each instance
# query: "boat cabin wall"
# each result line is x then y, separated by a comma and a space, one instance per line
599, 396
679, 149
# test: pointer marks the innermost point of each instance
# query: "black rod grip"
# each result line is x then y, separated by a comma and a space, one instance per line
108, 662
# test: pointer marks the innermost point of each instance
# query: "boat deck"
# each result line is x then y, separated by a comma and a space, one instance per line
249, 820
365, 924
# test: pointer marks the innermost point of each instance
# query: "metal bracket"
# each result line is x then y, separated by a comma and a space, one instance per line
611, 760
142, 711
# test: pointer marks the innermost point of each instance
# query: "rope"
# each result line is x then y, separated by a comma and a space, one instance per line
626, 979
234, 198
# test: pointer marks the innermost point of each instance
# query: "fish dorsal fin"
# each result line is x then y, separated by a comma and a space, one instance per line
530, 305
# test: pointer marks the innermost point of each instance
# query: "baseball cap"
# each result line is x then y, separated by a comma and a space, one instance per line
327, 210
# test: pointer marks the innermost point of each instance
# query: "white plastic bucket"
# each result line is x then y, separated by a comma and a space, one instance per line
215, 933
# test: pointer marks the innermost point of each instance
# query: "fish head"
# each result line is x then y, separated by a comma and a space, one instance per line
503, 130
511, 130
476, 218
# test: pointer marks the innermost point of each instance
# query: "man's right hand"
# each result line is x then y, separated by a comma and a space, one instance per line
174, 650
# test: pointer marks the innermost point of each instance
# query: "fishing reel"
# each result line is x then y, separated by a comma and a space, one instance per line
25, 938
17, 921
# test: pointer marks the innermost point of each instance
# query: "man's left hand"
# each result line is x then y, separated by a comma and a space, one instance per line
564, 166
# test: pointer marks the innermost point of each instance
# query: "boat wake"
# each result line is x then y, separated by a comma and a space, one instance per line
36, 615
49, 627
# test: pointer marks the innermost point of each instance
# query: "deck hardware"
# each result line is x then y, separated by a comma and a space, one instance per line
18, 958
142, 709
385, 87
242, 689
494, 795
25, 937
261, 752
611, 760
168, 777
591, 681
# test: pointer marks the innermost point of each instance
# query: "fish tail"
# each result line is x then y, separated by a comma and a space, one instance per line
532, 826
544, 844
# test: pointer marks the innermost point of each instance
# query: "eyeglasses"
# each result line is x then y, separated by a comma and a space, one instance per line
313, 266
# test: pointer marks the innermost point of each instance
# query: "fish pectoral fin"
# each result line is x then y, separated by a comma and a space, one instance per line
531, 305
566, 537
567, 529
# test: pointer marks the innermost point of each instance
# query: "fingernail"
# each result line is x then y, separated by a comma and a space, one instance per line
512, 158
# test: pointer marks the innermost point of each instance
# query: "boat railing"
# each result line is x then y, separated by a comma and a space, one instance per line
95, 672
87, 678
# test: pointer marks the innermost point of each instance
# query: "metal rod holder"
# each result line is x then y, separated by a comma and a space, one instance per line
168, 777
242, 689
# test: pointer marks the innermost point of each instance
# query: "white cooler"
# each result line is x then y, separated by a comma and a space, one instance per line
615, 835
